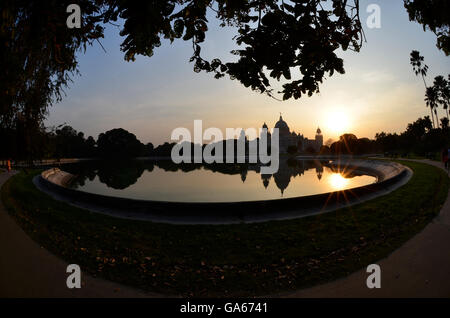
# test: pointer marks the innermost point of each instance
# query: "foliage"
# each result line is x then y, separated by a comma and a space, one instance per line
350, 144
68, 143
273, 37
441, 87
119, 143
436, 95
38, 56
433, 15
419, 138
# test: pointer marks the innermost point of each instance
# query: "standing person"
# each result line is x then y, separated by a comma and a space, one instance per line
8, 165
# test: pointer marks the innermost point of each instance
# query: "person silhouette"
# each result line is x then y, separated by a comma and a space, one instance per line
445, 156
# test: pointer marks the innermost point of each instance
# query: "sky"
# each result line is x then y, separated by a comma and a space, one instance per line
152, 96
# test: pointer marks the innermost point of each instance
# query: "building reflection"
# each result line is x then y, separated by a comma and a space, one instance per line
296, 168
123, 174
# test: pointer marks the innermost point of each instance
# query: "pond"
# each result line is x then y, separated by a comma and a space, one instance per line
163, 180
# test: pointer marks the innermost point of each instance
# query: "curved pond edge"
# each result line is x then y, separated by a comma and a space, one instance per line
390, 176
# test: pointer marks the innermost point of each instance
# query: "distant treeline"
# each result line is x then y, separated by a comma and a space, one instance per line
66, 142
419, 138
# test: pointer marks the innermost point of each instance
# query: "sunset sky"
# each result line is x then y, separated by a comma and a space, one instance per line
152, 96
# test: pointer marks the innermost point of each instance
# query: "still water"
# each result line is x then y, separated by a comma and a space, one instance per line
166, 181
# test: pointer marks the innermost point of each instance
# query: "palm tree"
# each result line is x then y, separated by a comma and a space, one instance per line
431, 100
442, 88
417, 61
419, 67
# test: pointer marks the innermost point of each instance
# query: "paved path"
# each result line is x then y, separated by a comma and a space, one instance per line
28, 270
419, 268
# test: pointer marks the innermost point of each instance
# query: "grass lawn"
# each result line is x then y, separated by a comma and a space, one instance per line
229, 260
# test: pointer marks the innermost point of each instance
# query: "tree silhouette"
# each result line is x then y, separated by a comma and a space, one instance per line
119, 143
433, 15
37, 58
431, 100
420, 68
273, 37
442, 88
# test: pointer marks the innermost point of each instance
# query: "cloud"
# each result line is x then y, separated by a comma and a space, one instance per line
377, 77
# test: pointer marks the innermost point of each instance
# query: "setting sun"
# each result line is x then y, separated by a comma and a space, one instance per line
338, 122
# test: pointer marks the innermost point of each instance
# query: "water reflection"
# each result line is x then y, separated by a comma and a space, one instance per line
338, 182
165, 180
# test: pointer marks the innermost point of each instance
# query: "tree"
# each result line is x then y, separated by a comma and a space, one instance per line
149, 149
433, 15
119, 143
275, 37
37, 57
69, 143
431, 101
442, 89
420, 68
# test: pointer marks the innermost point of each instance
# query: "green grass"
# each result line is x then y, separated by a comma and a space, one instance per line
229, 260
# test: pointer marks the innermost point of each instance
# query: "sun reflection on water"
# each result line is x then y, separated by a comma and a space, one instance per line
337, 181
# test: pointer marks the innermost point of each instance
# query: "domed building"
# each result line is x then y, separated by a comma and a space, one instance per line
282, 126
288, 138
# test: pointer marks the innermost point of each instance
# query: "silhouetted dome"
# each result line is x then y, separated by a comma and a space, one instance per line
318, 131
265, 178
281, 124
282, 180
265, 126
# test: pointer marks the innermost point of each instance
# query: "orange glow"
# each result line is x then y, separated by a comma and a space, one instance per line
337, 181
338, 122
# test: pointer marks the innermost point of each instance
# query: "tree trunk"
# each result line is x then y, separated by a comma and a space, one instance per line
432, 116
424, 83
437, 118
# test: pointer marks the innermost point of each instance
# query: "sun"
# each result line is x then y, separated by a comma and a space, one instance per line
338, 122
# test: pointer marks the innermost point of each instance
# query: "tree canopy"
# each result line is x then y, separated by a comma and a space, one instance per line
272, 37
119, 143
433, 15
